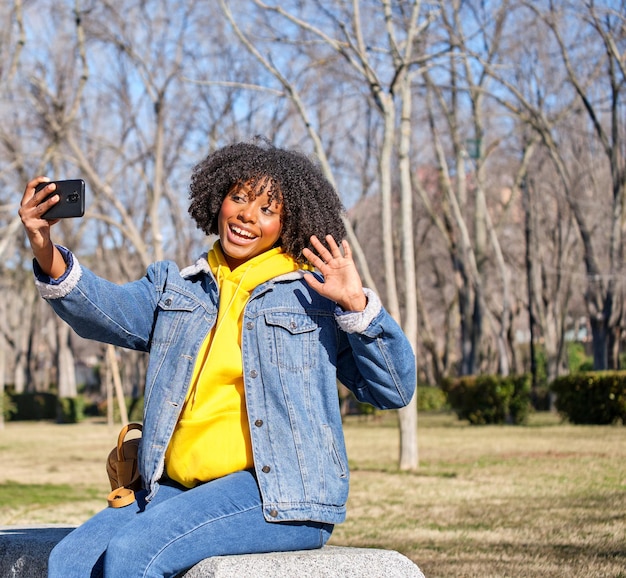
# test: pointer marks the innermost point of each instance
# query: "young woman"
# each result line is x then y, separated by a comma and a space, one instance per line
242, 448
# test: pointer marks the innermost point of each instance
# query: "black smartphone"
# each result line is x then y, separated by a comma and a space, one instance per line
71, 199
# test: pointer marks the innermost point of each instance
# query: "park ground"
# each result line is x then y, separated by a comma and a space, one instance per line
543, 500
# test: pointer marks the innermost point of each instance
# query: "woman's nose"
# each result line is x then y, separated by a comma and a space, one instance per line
246, 214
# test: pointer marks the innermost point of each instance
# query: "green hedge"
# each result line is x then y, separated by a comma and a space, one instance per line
32, 406
47, 406
134, 408
8, 407
71, 409
35, 406
490, 399
431, 398
592, 397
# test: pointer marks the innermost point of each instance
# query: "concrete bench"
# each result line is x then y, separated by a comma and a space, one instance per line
24, 554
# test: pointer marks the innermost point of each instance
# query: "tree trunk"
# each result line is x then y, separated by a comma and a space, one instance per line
66, 370
409, 457
600, 335
2, 371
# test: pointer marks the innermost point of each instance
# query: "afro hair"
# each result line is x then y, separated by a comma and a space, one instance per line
310, 204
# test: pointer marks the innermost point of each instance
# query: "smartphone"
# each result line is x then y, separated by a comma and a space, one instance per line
71, 199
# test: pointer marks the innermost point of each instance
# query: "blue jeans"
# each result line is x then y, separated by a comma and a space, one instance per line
178, 528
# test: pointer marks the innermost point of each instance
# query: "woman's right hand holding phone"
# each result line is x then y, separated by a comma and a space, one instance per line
38, 229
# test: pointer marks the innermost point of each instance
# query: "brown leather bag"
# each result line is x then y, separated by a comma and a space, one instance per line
122, 468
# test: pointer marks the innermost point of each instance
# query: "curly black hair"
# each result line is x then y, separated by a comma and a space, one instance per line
310, 205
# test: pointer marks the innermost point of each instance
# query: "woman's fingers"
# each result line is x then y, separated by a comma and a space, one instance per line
33, 205
32, 196
323, 252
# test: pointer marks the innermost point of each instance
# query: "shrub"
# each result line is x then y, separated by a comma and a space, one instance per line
490, 399
134, 408
8, 407
42, 406
591, 397
430, 398
71, 409
577, 359
33, 406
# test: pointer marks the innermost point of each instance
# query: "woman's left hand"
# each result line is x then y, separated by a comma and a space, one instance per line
342, 282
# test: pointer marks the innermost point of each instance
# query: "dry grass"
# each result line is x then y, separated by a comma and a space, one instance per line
545, 500
60, 470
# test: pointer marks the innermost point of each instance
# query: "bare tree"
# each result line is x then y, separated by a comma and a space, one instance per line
588, 85
20, 166
454, 120
344, 37
606, 25
11, 43
456, 115
131, 130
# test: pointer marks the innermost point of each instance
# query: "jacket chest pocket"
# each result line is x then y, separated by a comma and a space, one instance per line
293, 339
172, 312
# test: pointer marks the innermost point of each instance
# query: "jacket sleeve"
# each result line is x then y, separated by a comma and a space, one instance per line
101, 310
375, 359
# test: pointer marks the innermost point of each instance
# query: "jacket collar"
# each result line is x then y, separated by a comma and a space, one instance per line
201, 267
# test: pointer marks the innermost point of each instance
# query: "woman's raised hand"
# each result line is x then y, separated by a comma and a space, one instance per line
342, 282
38, 230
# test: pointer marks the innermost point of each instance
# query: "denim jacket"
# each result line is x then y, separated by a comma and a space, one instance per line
296, 344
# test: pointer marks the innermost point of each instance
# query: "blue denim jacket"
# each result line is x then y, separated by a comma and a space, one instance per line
296, 344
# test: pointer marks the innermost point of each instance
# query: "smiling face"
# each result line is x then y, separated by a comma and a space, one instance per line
249, 222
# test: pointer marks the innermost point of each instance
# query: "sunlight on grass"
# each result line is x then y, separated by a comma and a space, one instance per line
544, 500
42, 494
548, 499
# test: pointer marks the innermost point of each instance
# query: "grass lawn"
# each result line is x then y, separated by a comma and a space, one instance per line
544, 500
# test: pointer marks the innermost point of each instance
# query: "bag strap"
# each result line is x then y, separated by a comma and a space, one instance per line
122, 435
121, 497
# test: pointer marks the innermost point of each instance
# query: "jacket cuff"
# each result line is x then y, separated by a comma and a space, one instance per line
50, 288
359, 321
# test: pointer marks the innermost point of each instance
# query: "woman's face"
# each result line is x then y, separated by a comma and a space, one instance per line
248, 223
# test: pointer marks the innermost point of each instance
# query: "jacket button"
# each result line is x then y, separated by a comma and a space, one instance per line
249, 325
168, 302
258, 423
266, 469
274, 513
254, 373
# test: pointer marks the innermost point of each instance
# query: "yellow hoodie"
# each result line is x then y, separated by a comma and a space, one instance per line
212, 437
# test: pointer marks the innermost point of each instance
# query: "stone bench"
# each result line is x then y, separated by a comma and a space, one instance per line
24, 554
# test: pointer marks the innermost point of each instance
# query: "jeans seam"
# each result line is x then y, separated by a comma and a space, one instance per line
181, 536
